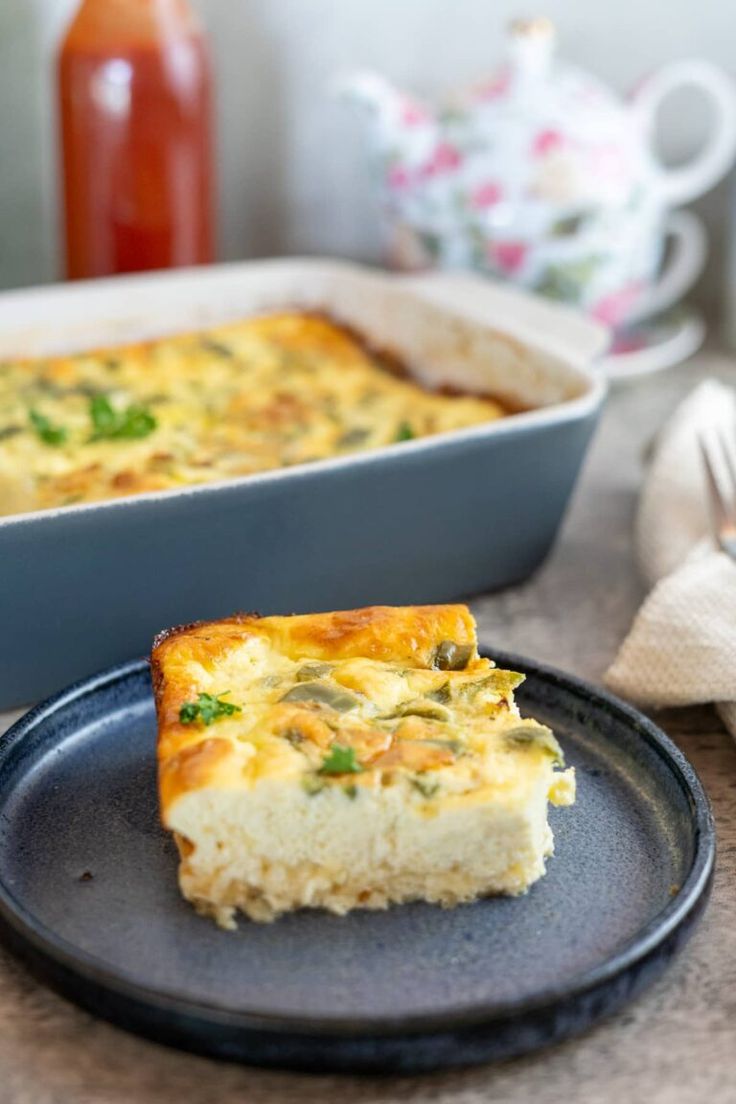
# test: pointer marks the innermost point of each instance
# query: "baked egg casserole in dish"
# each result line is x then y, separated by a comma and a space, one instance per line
348, 760
268, 392
159, 482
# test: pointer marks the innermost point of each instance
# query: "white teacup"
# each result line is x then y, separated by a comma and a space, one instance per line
619, 266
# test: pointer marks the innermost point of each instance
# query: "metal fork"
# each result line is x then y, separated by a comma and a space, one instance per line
722, 504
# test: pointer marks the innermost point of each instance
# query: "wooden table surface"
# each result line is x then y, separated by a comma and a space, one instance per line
675, 1045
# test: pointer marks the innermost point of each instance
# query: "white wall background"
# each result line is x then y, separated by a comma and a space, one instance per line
292, 168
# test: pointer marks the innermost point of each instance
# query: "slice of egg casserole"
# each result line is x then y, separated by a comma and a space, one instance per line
348, 760
246, 397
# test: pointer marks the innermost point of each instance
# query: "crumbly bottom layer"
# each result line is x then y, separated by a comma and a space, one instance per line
281, 888
274, 848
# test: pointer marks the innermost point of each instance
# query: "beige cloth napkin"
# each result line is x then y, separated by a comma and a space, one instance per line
681, 648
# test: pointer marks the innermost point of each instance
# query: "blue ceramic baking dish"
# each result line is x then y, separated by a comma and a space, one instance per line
423, 521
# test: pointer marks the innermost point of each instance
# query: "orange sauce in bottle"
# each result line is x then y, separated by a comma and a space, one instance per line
136, 135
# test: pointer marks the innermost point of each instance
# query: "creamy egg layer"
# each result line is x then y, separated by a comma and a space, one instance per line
348, 760
247, 397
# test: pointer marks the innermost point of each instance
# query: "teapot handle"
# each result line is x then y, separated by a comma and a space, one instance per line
686, 182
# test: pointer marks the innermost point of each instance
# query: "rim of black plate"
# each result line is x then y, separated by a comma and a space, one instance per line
42, 940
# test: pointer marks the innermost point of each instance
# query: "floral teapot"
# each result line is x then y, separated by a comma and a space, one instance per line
542, 175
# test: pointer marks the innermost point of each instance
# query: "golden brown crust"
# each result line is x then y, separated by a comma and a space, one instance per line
191, 768
391, 634
176, 648
189, 758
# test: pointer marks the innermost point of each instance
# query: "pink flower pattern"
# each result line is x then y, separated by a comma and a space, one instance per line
627, 343
486, 195
399, 177
509, 256
494, 88
413, 114
613, 308
446, 158
547, 141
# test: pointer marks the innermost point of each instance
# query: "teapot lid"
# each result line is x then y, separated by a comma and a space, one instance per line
531, 44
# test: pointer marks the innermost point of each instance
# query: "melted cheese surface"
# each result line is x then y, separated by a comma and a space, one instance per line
443, 721
449, 732
268, 392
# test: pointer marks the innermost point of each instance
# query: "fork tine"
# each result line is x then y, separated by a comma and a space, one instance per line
728, 458
719, 508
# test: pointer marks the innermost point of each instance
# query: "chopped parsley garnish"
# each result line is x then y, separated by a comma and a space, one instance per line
341, 760
46, 430
207, 709
108, 423
404, 432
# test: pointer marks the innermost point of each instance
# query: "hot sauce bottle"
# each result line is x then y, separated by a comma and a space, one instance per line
136, 136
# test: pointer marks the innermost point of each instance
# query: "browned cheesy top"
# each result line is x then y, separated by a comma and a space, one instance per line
246, 397
350, 699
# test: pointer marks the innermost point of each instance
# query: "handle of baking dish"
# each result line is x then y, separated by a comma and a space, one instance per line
557, 329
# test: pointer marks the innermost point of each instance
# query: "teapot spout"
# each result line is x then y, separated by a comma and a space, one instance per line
392, 109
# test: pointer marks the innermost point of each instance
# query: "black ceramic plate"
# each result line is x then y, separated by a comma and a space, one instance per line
88, 897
